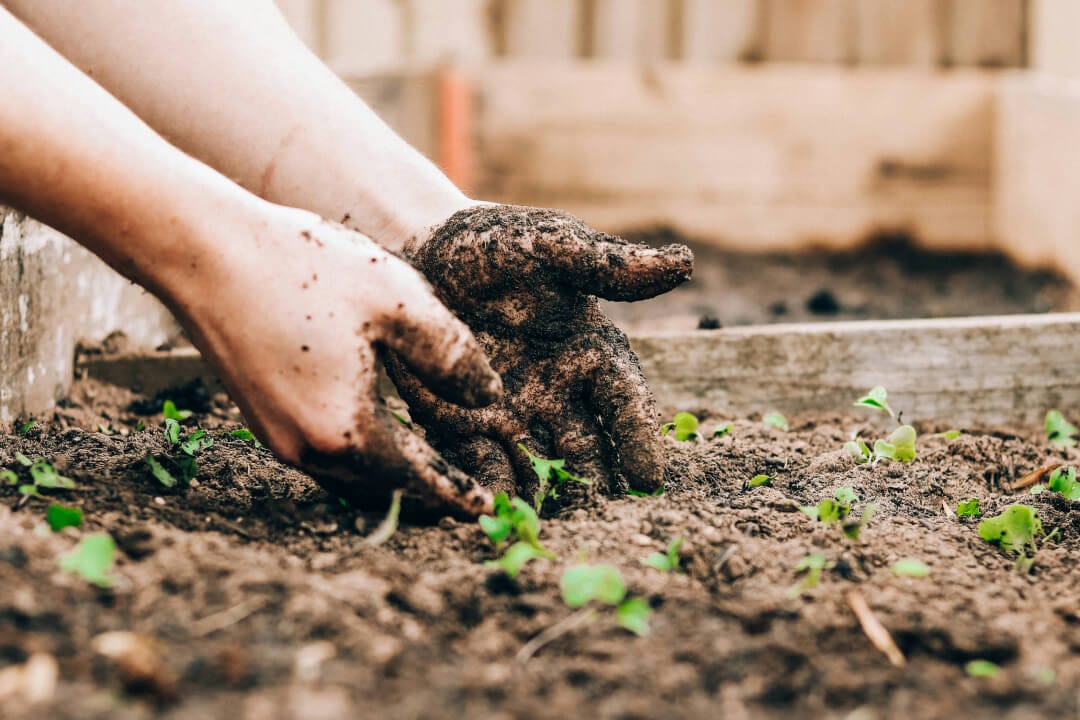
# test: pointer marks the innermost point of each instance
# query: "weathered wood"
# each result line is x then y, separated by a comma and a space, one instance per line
722, 32
988, 33
541, 29
810, 31
900, 32
1052, 36
956, 371
775, 156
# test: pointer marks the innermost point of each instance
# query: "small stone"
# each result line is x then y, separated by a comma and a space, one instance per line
641, 540
158, 500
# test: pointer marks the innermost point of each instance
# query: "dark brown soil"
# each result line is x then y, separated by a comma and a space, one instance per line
263, 601
888, 277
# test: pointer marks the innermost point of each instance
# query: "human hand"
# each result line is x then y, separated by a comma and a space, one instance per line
526, 281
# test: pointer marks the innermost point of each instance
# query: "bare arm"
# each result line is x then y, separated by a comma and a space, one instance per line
230, 83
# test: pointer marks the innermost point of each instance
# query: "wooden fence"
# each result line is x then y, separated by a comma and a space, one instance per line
361, 36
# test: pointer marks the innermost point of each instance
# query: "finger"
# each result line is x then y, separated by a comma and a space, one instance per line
439, 348
627, 409
587, 452
432, 412
485, 460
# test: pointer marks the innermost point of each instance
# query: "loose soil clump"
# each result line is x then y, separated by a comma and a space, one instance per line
251, 593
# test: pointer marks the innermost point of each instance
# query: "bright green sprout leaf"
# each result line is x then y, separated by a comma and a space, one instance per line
513, 519
401, 419
759, 480
23, 460
105, 429
950, 435
515, 558
846, 496
853, 528
812, 566
776, 420
581, 584
830, 511
858, 450
666, 561
196, 442
29, 490
811, 511
169, 410
981, 668
389, 524
159, 472
899, 446
876, 399
92, 559
1037, 489
551, 475
247, 436
641, 493
685, 426
140, 426
911, 567
969, 508
1014, 530
60, 517
722, 430
1063, 480
27, 427
45, 476
633, 614
1059, 431
172, 431
496, 528
9, 477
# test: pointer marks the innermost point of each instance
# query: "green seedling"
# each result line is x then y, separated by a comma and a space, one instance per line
876, 399
43, 474
852, 527
517, 556
1059, 431
1063, 480
910, 567
981, 668
641, 493
551, 475
60, 517
514, 520
247, 436
776, 420
92, 559
583, 584
812, 566
667, 561
159, 472
969, 508
140, 426
759, 480
196, 442
22, 459
172, 431
27, 427
685, 426
859, 450
170, 471
949, 435
1015, 530
899, 446
170, 411
9, 477
389, 524
722, 430
837, 509
105, 429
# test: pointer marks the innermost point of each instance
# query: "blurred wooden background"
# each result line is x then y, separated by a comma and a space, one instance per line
362, 36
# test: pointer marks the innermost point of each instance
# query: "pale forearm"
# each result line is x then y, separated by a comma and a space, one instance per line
230, 83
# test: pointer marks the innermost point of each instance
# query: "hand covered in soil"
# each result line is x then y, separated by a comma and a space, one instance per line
292, 323
526, 281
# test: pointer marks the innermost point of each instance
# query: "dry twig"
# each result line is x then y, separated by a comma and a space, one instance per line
1035, 476
873, 628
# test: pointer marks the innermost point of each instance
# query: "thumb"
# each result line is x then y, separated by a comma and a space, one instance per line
439, 348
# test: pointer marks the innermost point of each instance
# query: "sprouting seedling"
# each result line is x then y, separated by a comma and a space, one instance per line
759, 480
43, 475
859, 450
812, 566
641, 493
247, 436
389, 524
8, 477
59, 517
92, 559
171, 412
1059, 431
667, 561
551, 476
949, 435
722, 430
685, 426
170, 471
172, 431
837, 509
160, 472
910, 567
981, 668
969, 508
1063, 480
1015, 530
852, 527
585, 584
27, 427
876, 399
776, 420
514, 520
196, 442
899, 446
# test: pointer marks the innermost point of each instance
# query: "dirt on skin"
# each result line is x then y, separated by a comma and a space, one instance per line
256, 596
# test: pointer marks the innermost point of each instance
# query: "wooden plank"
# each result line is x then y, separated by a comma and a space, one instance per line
709, 31
363, 37
1052, 39
810, 31
757, 157
956, 371
900, 32
637, 30
541, 29
305, 18
1036, 216
987, 33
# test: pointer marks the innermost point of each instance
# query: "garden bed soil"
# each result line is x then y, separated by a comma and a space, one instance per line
256, 596
888, 277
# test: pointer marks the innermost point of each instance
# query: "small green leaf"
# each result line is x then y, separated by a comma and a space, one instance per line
247, 436
196, 442
27, 427
581, 584
722, 430
658, 561
1014, 530
846, 496
92, 559
1037, 489
758, 480
140, 426
950, 435
169, 410
496, 528
876, 399
641, 493
105, 429
23, 460
29, 490
60, 517
389, 524
1059, 431
969, 508
159, 472
515, 558
910, 567
776, 420
858, 450
811, 511
45, 476
9, 477
551, 476
1063, 480
172, 431
633, 614
903, 440
685, 426
853, 528
981, 668
401, 419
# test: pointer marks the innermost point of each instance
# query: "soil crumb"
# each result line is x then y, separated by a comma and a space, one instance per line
250, 593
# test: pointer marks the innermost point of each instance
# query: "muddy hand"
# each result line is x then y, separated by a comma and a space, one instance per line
526, 281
